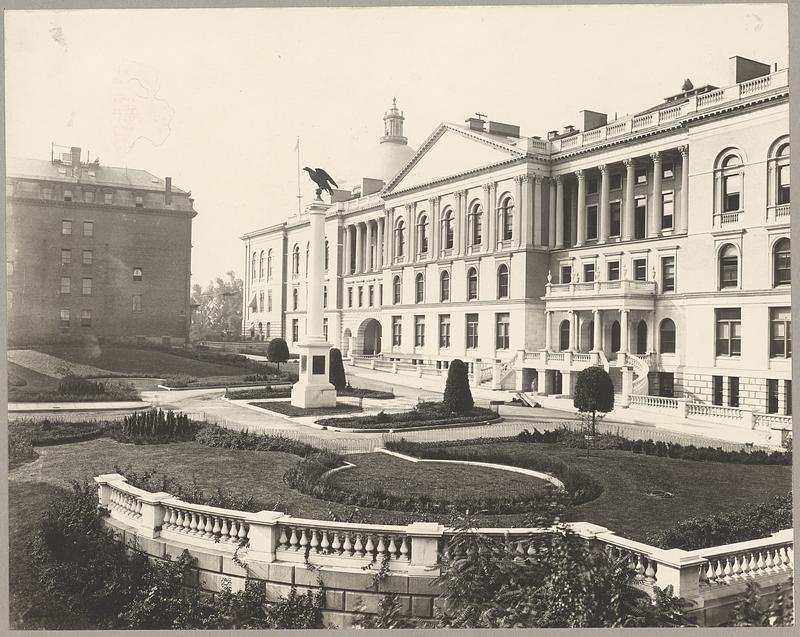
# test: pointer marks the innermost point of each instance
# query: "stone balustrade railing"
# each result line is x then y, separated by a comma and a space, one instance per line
716, 411
657, 402
625, 286
416, 550
773, 421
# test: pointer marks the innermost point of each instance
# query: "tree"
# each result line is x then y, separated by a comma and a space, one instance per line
278, 351
336, 374
219, 308
457, 394
594, 391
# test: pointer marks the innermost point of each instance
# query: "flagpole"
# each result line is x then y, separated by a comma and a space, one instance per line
299, 196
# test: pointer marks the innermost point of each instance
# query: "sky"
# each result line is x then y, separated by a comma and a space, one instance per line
216, 99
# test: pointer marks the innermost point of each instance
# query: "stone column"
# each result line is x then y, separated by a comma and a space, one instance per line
598, 332
551, 217
624, 337
580, 232
346, 250
573, 331
390, 236
627, 385
369, 245
436, 231
603, 221
458, 224
654, 225
559, 211
411, 242
629, 209
488, 212
651, 336
520, 209
359, 254
537, 211
379, 244
548, 330
683, 212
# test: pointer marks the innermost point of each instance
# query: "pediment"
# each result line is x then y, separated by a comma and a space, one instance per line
448, 152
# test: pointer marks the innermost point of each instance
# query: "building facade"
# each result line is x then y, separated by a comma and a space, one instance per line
96, 253
658, 240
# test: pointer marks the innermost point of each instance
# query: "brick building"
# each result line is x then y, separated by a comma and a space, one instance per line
95, 252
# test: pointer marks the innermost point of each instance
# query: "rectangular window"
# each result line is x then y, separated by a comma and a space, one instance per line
729, 332
503, 331
787, 390
591, 186
716, 390
566, 274
780, 332
65, 285
137, 274
137, 303
772, 395
588, 272
591, 222
613, 271
66, 227
139, 201
730, 201
615, 221
108, 198
397, 330
419, 331
783, 185
88, 228
64, 318
325, 329
86, 289
667, 274
67, 195
87, 257
86, 318
360, 296
616, 181
728, 271
472, 330
641, 175
667, 210
371, 295
668, 170
640, 269
444, 330
640, 219
295, 330
66, 256
269, 301
88, 196
733, 391
349, 297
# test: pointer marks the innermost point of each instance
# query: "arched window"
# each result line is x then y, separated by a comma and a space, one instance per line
260, 327
502, 282
444, 287
326, 255
506, 218
261, 265
728, 267
396, 288
778, 177
268, 329
782, 262
419, 288
615, 336
253, 267
269, 264
422, 234
294, 298
399, 238
782, 174
666, 336
563, 335
730, 178
641, 337
474, 223
447, 230
296, 260
472, 284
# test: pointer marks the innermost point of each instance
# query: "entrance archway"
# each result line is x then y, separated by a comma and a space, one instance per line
615, 336
368, 338
641, 337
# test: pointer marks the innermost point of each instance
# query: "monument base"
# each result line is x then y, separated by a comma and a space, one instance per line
313, 389
308, 396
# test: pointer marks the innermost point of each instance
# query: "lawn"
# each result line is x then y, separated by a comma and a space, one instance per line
129, 360
699, 488
33, 381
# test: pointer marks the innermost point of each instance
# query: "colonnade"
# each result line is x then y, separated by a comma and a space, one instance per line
363, 246
574, 317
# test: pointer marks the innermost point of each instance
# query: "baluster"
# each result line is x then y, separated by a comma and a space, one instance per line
314, 541
727, 571
294, 543
639, 568
369, 547
736, 570
244, 529
216, 528
381, 548
165, 525
336, 545
138, 508
752, 566
224, 532
233, 531
347, 547
180, 519
403, 548
392, 547
325, 545
193, 523
769, 563
303, 540
790, 556
785, 559
358, 547
719, 573
209, 528
650, 571
705, 573
531, 550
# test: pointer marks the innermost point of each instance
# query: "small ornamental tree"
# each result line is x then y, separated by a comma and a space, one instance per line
457, 394
336, 374
594, 391
278, 351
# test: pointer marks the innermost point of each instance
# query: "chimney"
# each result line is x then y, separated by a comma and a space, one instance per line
552, 134
589, 120
743, 69
168, 191
509, 130
75, 151
475, 123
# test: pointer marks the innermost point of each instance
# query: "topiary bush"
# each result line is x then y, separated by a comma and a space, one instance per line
336, 374
155, 426
277, 351
75, 386
457, 394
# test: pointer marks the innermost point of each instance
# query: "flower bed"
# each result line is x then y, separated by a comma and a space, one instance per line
271, 391
215, 436
427, 414
72, 393
287, 409
42, 433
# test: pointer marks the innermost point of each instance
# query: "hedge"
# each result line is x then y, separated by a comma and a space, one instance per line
285, 392
424, 414
661, 449
747, 523
109, 392
42, 433
215, 436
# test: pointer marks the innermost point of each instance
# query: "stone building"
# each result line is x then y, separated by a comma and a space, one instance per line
658, 240
95, 252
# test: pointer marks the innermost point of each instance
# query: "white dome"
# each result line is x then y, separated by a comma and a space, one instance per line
391, 157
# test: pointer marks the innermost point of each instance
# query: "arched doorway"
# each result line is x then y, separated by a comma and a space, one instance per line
346, 343
641, 337
563, 336
369, 337
616, 341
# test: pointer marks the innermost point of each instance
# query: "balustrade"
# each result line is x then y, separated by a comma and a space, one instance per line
221, 526
658, 402
773, 421
714, 411
356, 541
746, 561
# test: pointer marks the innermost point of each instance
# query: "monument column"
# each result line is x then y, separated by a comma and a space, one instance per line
312, 388
597, 334
346, 250
623, 331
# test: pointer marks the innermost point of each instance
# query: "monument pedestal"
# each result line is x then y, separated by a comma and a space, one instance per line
312, 388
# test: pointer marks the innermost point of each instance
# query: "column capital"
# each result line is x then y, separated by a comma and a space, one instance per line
518, 179
603, 168
459, 193
433, 200
630, 162
539, 178
684, 150
489, 186
579, 174
556, 179
656, 157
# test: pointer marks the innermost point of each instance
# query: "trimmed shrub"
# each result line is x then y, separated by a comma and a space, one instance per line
155, 426
426, 414
46, 432
336, 374
215, 436
278, 351
75, 386
457, 394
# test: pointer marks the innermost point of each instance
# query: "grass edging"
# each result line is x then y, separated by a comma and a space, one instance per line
422, 427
